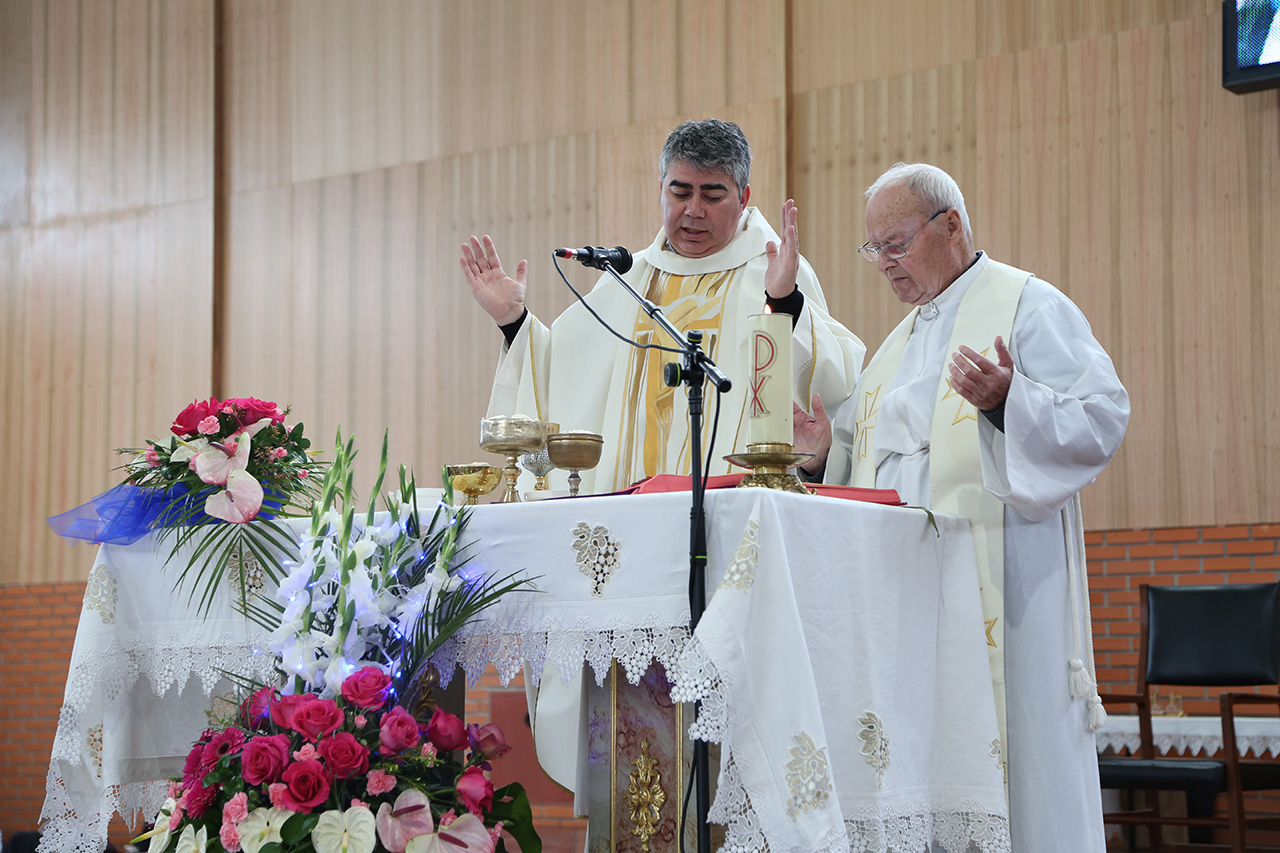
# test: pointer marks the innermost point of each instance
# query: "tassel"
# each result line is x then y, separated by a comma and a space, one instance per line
1080, 683
1097, 714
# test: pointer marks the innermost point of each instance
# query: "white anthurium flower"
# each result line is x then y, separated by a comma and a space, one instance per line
255, 428
215, 463
160, 833
467, 834
191, 841
261, 827
352, 831
187, 449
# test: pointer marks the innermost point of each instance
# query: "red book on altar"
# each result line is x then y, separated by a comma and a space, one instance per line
680, 483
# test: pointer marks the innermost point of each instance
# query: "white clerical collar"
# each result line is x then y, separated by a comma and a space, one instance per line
949, 299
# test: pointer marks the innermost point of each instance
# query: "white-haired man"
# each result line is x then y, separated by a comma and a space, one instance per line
993, 400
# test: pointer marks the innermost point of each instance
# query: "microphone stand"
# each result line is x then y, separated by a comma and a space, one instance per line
695, 366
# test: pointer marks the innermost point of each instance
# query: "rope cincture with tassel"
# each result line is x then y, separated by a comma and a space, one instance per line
1082, 676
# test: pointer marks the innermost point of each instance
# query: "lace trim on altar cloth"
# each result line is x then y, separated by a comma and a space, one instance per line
633, 643
63, 831
956, 828
117, 668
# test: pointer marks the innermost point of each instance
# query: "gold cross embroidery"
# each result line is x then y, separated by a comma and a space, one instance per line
991, 625
870, 409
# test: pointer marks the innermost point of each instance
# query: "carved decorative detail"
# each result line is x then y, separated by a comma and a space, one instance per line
645, 796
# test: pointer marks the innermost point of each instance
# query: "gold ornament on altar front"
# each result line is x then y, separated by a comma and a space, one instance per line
770, 464
645, 796
512, 436
574, 451
474, 480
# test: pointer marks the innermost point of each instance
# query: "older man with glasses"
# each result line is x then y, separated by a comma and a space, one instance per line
994, 401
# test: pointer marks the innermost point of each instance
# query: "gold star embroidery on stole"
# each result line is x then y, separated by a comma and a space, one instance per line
991, 626
961, 414
870, 409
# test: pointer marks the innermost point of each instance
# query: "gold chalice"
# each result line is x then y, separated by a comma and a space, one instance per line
474, 480
512, 436
539, 463
574, 451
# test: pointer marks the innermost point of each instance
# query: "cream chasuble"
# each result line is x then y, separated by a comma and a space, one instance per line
580, 376
987, 309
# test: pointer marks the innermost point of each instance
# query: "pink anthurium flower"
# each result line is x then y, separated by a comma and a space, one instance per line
407, 819
465, 835
239, 501
216, 462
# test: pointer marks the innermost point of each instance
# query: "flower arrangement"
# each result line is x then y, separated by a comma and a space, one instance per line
353, 773
236, 454
339, 758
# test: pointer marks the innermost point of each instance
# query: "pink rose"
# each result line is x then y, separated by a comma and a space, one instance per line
446, 731
344, 755
399, 731
283, 709
308, 785
257, 708
316, 718
255, 410
187, 422
230, 837
488, 741
360, 721
264, 759
380, 782
475, 790
209, 426
367, 688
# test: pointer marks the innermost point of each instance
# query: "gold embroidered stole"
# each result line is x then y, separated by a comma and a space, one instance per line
986, 309
654, 418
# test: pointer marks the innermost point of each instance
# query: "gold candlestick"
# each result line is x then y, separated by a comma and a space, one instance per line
770, 464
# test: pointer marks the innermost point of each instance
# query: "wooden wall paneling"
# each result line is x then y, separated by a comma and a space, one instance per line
19, 406
311, 90
15, 112
259, 97
425, 70
183, 77
653, 72
1262, 133
1208, 126
383, 107
262, 321
835, 42
335, 369
55, 113
372, 381
1012, 26
702, 46
132, 107
1150, 292
627, 182
1093, 211
96, 92
305, 341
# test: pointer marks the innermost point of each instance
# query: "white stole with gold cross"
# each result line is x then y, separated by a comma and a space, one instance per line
986, 310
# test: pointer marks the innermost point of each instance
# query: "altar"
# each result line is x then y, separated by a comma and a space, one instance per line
841, 662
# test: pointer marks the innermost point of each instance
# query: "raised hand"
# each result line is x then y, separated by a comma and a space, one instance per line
500, 295
784, 259
978, 379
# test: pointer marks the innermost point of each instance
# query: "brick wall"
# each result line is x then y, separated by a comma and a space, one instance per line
37, 629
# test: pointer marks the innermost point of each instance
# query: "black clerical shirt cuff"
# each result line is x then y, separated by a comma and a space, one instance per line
995, 416
792, 303
510, 330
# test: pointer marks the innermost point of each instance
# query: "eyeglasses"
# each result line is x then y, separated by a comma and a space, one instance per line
894, 251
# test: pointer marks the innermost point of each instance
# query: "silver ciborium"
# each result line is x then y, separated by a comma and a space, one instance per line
538, 463
573, 452
511, 436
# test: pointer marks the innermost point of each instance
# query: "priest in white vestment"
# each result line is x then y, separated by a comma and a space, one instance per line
994, 401
714, 262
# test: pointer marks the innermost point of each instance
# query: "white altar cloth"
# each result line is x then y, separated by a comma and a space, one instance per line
842, 656
1195, 735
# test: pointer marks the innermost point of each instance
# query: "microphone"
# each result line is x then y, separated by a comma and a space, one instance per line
597, 256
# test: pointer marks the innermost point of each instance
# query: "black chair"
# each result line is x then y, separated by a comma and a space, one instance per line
1201, 636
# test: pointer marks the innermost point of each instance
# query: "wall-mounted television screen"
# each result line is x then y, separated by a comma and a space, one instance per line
1250, 45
